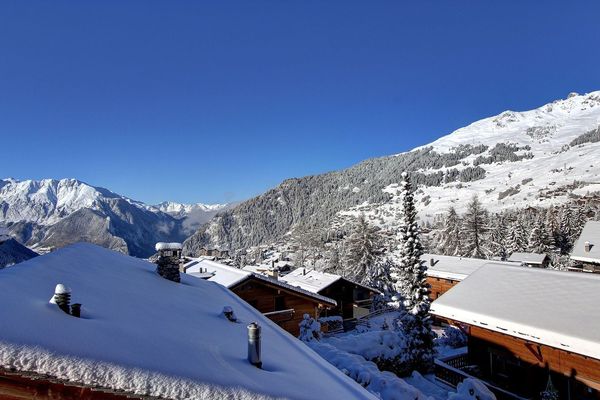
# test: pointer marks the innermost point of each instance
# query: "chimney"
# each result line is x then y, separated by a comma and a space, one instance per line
62, 297
254, 345
169, 255
587, 246
76, 310
431, 262
303, 271
273, 273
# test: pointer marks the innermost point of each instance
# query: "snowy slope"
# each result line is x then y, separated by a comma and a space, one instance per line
553, 168
192, 215
13, 252
143, 334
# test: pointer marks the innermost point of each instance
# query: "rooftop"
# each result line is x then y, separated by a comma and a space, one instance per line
591, 234
555, 308
143, 334
314, 281
456, 268
230, 276
528, 258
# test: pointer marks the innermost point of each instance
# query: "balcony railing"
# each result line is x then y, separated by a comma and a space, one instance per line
280, 316
451, 371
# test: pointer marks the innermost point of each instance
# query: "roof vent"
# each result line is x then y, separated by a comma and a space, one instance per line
587, 247
254, 345
229, 314
62, 297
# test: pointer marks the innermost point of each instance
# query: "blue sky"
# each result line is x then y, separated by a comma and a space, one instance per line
215, 101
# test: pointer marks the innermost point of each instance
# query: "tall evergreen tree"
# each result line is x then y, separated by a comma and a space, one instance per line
538, 240
517, 237
497, 237
475, 228
415, 323
450, 237
362, 249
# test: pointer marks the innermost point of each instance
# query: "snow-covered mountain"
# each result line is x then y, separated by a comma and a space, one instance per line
192, 216
515, 159
51, 213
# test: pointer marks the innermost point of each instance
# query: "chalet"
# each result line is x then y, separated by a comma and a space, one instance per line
145, 337
218, 254
530, 259
279, 301
526, 326
353, 299
444, 272
586, 251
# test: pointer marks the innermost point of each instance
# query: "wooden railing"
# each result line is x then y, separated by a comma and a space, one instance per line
280, 316
449, 370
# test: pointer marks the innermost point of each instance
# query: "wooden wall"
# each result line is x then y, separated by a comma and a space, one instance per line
17, 387
528, 364
262, 296
439, 286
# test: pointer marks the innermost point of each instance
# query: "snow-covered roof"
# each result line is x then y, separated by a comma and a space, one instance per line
168, 246
314, 281
455, 268
310, 279
143, 334
591, 234
528, 258
230, 276
555, 308
222, 274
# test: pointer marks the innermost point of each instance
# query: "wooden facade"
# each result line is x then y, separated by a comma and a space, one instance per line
348, 295
21, 386
287, 306
439, 286
523, 367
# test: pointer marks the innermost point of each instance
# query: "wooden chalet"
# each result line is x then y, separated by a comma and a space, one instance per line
353, 299
282, 303
586, 251
444, 272
526, 326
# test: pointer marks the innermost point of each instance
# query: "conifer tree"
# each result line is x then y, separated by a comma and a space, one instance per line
517, 237
415, 323
450, 238
497, 237
362, 250
475, 228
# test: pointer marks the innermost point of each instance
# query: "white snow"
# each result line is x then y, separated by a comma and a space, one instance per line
555, 308
222, 274
147, 335
527, 258
168, 246
456, 268
310, 279
591, 234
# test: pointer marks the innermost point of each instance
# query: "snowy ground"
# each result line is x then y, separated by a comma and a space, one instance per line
350, 351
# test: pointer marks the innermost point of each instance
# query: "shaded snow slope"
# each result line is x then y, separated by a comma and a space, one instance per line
13, 252
145, 334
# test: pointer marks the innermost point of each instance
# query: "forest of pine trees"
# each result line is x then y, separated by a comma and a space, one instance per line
480, 234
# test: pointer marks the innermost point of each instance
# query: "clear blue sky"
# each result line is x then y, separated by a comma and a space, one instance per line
213, 101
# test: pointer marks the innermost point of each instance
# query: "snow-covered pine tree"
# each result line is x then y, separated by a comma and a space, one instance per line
362, 249
565, 235
415, 323
310, 329
538, 239
516, 240
450, 236
552, 230
497, 237
474, 229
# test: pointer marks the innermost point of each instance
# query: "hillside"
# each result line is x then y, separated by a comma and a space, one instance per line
515, 159
13, 252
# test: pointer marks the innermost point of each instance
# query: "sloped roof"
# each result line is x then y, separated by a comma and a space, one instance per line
528, 258
555, 308
590, 233
143, 334
230, 276
315, 281
456, 268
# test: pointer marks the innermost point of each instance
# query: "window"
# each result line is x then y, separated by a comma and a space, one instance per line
279, 303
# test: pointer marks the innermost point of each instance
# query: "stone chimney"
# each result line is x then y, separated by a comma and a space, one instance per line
587, 247
169, 259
